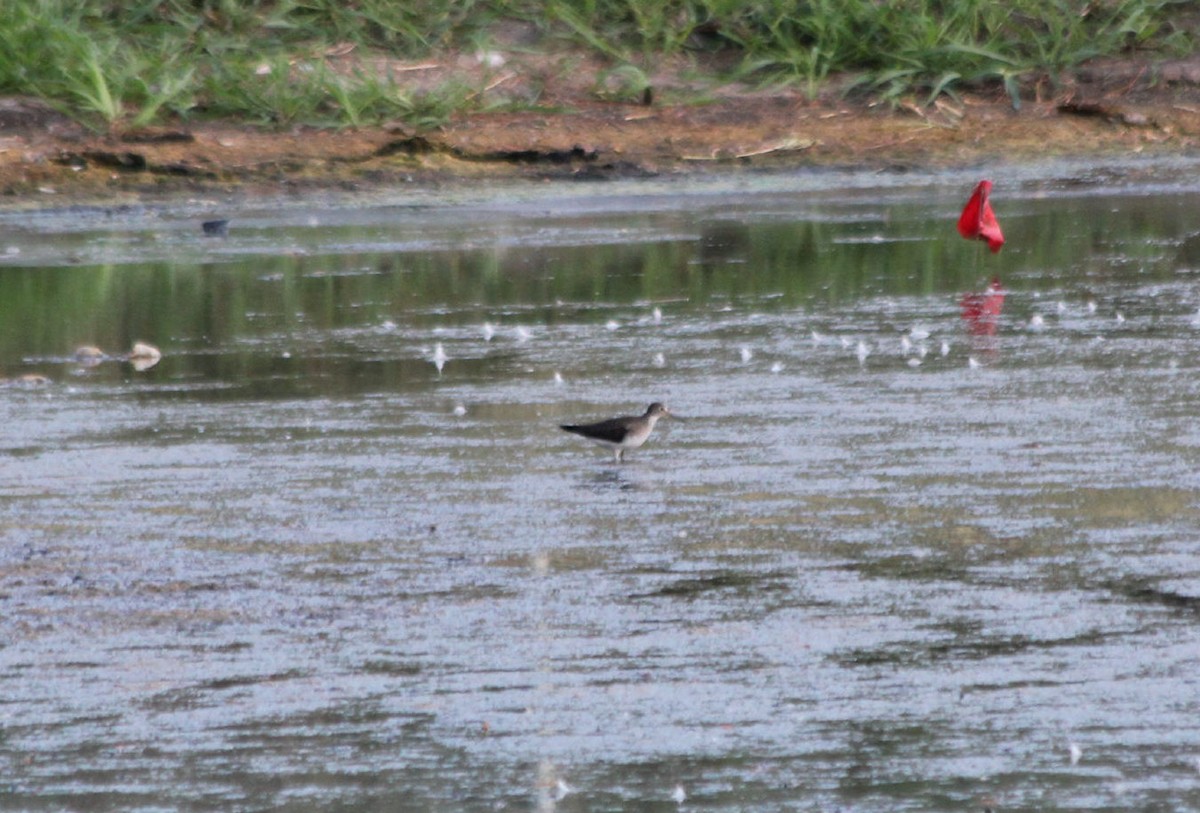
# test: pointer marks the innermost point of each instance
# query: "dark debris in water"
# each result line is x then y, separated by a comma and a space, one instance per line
474, 592
1146, 593
915, 653
215, 228
22, 451
391, 668
239, 681
1018, 684
721, 581
912, 568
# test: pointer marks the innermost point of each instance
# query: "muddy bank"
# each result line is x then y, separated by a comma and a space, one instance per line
1106, 110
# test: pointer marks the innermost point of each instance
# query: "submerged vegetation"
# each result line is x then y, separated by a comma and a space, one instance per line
277, 62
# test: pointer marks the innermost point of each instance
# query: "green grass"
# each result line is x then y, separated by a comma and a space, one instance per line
121, 64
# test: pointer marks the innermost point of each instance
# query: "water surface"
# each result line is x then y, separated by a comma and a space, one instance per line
295, 564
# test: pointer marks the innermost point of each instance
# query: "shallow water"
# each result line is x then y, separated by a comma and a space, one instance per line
296, 565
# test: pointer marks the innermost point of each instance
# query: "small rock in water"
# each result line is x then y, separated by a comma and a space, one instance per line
88, 355
144, 356
144, 350
215, 228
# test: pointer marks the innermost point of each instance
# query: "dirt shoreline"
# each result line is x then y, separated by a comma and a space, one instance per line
1109, 111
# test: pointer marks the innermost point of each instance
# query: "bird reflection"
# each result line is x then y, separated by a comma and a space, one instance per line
610, 478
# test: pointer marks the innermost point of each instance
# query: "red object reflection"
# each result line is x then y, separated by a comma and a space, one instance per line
978, 221
981, 311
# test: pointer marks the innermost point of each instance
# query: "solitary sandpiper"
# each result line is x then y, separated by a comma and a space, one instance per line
623, 433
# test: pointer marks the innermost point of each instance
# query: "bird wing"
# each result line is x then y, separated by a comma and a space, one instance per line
613, 430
